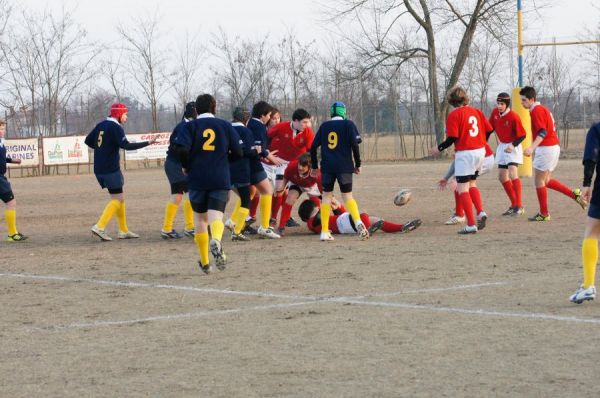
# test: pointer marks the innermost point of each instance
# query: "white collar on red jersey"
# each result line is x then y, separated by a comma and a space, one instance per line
506, 112
112, 119
536, 103
205, 115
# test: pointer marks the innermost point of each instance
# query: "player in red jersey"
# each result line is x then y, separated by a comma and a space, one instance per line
466, 128
509, 154
340, 222
290, 139
298, 180
546, 150
459, 214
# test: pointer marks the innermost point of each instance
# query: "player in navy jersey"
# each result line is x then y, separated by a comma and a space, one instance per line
107, 139
241, 175
338, 139
261, 113
204, 149
6, 193
591, 195
178, 182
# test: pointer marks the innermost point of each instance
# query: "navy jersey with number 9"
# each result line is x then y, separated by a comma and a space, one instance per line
209, 140
336, 138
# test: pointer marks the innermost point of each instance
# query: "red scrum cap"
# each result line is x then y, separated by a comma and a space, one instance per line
117, 110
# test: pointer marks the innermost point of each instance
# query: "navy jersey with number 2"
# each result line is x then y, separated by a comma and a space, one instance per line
209, 141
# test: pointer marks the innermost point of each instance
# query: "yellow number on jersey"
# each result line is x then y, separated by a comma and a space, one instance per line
332, 138
208, 144
100, 138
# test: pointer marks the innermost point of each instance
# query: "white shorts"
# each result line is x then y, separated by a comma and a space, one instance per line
469, 162
344, 225
310, 191
504, 159
270, 170
545, 158
487, 166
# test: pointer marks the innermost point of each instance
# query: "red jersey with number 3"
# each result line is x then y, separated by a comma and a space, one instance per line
469, 126
541, 118
508, 126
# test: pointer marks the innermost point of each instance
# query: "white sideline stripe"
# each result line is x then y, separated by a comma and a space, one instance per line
466, 311
234, 292
188, 315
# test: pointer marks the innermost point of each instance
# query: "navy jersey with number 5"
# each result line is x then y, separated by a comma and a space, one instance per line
336, 137
209, 141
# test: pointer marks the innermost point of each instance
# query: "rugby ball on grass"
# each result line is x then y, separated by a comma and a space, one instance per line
402, 197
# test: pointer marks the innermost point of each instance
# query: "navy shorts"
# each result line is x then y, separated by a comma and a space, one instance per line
594, 210
344, 180
6, 194
113, 181
177, 179
203, 201
257, 176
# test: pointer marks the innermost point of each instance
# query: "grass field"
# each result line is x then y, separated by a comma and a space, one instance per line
428, 313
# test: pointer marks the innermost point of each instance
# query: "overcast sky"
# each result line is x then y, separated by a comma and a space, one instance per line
565, 19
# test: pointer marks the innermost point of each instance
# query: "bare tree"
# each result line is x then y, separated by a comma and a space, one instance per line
188, 58
147, 62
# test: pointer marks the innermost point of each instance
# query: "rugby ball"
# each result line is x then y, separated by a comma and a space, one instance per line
402, 197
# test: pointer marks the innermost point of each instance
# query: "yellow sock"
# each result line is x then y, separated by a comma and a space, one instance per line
325, 212
201, 240
121, 217
216, 229
11, 221
352, 208
170, 213
239, 218
109, 211
188, 215
265, 210
589, 256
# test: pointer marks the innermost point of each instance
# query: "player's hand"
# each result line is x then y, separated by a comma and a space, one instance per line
528, 152
442, 184
434, 151
586, 194
277, 161
314, 173
335, 204
357, 170
509, 148
258, 148
16, 161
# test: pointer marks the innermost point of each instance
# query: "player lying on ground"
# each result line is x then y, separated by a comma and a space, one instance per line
545, 149
589, 247
341, 222
459, 213
6, 193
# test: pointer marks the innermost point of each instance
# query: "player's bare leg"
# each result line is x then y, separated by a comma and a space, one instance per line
589, 259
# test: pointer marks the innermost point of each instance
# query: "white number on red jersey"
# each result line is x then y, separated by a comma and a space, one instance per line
474, 131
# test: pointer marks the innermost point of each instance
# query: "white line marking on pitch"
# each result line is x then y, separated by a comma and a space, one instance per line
307, 300
432, 290
171, 317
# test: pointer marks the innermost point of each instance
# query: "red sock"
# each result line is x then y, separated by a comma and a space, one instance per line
476, 198
467, 204
391, 227
542, 194
254, 205
510, 192
286, 213
364, 217
516, 183
277, 200
315, 200
458, 207
560, 187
